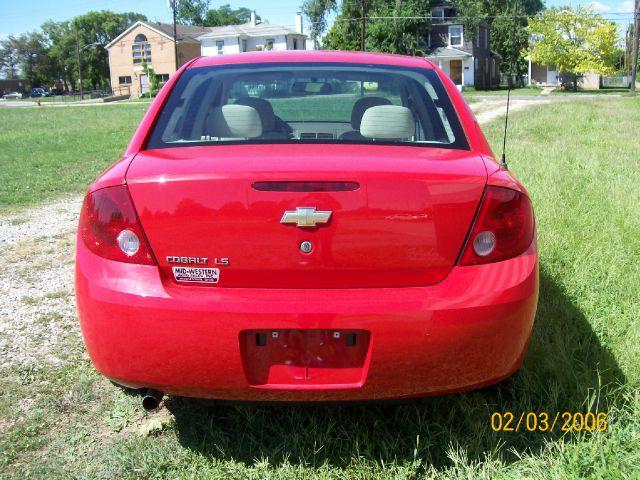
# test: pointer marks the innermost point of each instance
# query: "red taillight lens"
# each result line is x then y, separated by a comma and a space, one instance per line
110, 227
503, 228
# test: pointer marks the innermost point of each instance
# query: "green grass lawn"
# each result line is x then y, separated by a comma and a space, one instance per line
602, 91
580, 161
46, 152
472, 92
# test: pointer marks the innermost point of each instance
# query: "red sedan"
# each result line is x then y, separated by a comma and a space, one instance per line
307, 226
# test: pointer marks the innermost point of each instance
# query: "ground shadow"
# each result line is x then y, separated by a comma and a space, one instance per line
566, 366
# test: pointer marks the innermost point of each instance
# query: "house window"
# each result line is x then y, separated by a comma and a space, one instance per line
268, 44
141, 49
162, 77
437, 15
455, 35
244, 45
126, 80
220, 47
295, 43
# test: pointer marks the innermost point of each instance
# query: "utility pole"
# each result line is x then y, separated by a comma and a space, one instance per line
362, 23
634, 54
175, 35
79, 66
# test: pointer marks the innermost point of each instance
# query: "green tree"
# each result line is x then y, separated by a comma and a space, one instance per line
507, 21
154, 85
224, 15
197, 12
61, 43
317, 12
9, 58
383, 32
27, 53
576, 41
191, 12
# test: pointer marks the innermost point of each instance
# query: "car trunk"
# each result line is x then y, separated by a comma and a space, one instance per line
400, 220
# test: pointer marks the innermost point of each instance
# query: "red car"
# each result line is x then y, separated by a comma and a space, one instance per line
307, 226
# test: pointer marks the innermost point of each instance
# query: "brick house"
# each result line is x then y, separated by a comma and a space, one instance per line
466, 58
152, 43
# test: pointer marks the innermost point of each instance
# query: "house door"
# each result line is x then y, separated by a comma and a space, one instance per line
455, 71
144, 83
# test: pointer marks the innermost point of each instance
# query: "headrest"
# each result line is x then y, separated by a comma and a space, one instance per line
234, 121
361, 105
387, 122
264, 108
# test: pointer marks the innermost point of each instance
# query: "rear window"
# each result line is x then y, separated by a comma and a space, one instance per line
304, 102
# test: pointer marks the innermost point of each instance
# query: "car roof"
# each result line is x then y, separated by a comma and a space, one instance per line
310, 56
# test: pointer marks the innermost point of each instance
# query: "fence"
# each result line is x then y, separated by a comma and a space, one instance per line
621, 81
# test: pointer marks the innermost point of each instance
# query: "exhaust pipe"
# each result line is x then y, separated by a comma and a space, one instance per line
151, 400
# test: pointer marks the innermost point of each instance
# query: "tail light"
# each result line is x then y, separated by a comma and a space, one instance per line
503, 228
110, 227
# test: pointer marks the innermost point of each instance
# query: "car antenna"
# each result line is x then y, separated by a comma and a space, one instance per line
503, 159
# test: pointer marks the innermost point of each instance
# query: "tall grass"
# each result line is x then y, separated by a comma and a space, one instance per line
580, 163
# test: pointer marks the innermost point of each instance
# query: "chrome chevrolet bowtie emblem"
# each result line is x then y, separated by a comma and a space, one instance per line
305, 217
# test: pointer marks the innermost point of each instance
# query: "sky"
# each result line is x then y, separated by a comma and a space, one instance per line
18, 17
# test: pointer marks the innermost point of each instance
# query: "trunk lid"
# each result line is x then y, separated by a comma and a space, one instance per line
400, 221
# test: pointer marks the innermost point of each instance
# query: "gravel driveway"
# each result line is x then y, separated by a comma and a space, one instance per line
37, 306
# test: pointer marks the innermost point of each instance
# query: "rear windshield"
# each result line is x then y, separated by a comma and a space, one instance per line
305, 102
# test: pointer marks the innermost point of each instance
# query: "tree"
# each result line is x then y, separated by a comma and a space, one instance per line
317, 12
507, 21
61, 42
576, 41
384, 32
224, 15
191, 12
26, 52
9, 58
197, 12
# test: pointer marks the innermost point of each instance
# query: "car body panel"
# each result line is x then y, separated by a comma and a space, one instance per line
467, 331
403, 226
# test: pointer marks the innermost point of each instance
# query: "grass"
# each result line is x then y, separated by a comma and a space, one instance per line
47, 152
57, 98
472, 92
602, 91
580, 162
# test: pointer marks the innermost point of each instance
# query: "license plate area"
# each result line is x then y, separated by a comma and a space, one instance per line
305, 357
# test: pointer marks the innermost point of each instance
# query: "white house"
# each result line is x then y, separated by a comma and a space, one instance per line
252, 36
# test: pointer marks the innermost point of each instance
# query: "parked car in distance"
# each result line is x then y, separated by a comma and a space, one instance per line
12, 96
307, 226
39, 92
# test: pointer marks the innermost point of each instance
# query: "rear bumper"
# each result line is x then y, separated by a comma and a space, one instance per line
468, 331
